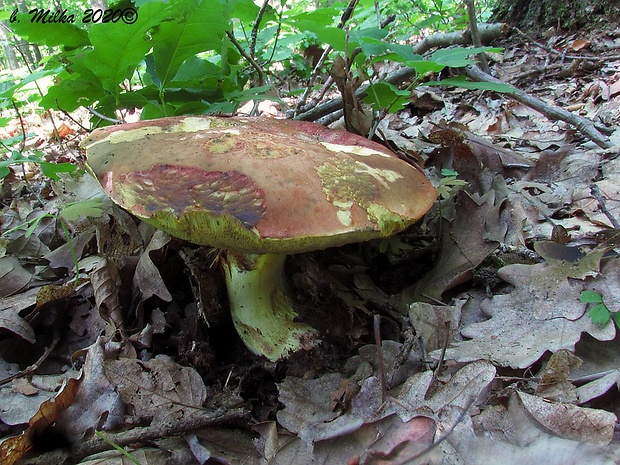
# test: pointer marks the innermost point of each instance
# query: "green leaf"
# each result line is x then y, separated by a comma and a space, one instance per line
9, 92
119, 48
590, 297
384, 95
458, 57
461, 81
321, 23
51, 170
70, 94
200, 27
616, 317
449, 172
65, 35
246, 11
92, 208
399, 52
599, 314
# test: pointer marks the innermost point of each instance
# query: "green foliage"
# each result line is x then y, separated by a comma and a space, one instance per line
50, 170
448, 183
599, 313
201, 56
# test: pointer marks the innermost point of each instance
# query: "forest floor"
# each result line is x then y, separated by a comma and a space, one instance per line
489, 349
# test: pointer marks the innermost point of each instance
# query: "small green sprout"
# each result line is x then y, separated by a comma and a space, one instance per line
448, 182
599, 314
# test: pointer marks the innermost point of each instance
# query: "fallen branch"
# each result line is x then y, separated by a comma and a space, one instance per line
583, 125
142, 435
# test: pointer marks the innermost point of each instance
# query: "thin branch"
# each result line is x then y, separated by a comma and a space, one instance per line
475, 35
102, 116
603, 206
249, 58
35, 366
346, 15
583, 125
380, 358
254, 33
488, 32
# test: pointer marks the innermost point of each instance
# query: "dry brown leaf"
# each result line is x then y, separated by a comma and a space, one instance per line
97, 405
569, 421
542, 313
10, 307
465, 245
147, 279
13, 277
12, 449
159, 389
105, 289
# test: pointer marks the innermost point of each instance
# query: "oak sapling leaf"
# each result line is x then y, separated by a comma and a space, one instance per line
599, 314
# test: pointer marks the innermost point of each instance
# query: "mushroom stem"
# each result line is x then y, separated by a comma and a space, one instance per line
261, 309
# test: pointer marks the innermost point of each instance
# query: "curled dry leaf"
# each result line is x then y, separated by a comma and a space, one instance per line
467, 241
13, 277
147, 279
570, 421
97, 405
104, 281
10, 307
12, 449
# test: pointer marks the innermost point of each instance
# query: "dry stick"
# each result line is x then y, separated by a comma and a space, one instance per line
141, 435
488, 32
250, 59
380, 359
583, 125
35, 366
475, 36
254, 33
603, 206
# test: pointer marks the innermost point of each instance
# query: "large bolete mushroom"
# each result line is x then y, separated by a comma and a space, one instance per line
258, 189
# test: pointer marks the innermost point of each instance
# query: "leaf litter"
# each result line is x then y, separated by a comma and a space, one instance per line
486, 352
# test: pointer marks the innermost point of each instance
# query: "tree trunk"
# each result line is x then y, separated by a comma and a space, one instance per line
562, 14
9, 58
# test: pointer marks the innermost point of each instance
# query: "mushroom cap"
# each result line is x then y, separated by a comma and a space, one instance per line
257, 185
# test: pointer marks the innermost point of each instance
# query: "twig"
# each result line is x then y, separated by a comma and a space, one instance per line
441, 360
141, 435
596, 192
346, 15
254, 33
475, 35
102, 116
35, 366
583, 125
380, 359
248, 57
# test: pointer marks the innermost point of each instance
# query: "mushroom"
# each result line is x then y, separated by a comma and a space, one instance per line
258, 189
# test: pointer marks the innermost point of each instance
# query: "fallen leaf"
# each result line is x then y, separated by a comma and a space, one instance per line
13, 448
147, 279
543, 312
13, 277
159, 389
570, 421
464, 246
10, 307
